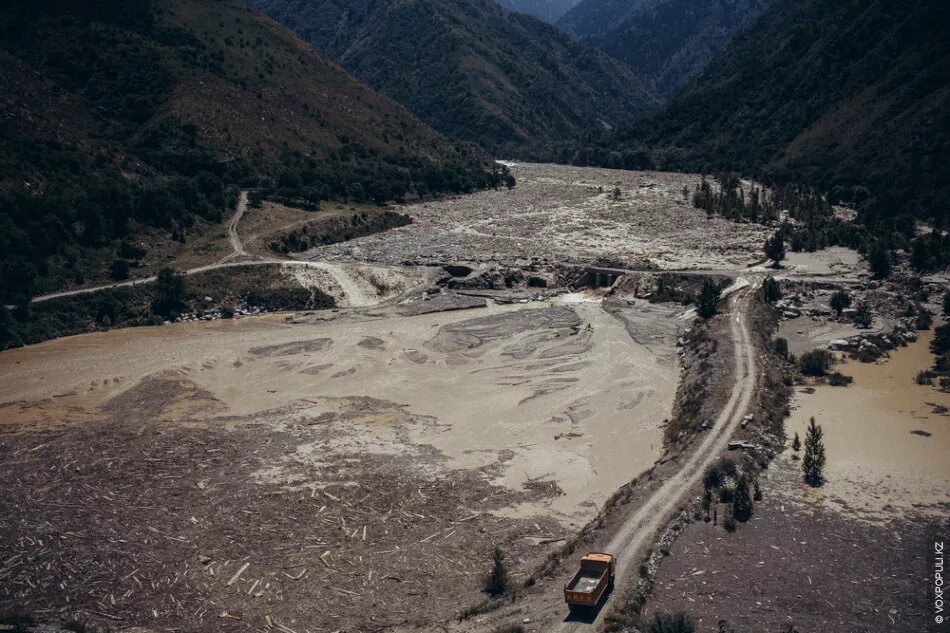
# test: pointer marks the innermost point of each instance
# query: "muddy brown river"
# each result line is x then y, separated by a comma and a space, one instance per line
887, 438
546, 394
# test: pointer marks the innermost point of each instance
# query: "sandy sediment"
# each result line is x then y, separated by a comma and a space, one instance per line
561, 213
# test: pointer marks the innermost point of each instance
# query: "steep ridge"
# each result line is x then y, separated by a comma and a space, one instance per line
123, 115
545, 10
667, 41
471, 69
852, 97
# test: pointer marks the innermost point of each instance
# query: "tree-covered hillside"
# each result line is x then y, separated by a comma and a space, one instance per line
118, 115
471, 69
852, 97
667, 41
545, 10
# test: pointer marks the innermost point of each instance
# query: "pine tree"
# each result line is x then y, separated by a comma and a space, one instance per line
781, 347
813, 464
879, 262
920, 256
708, 303
771, 291
796, 443
839, 301
946, 303
775, 249
742, 500
169, 292
498, 578
863, 316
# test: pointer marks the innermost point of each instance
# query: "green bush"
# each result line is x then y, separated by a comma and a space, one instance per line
497, 582
664, 623
837, 379
816, 362
708, 303
781, 347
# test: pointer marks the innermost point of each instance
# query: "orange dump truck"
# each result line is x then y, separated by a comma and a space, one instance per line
591, 582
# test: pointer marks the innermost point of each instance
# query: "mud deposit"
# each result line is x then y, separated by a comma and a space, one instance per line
329, 474
561, 213
798, 563
887, 438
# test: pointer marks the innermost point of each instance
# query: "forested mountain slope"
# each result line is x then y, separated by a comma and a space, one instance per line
545, 10
471, 69
119, 114
666, 41
852, 96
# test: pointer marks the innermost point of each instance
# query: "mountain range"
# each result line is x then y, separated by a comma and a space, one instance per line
121, 113
851, 96
549, 11
667, 41
470, 68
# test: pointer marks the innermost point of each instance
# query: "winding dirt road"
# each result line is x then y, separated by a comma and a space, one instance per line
638, 533
237, 246
238, 257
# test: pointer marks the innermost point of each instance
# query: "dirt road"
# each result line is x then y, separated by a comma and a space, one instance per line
639, 531
236, 245
354, 293
637, 534
238, 257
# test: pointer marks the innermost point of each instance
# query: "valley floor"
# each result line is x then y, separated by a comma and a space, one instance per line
355, 468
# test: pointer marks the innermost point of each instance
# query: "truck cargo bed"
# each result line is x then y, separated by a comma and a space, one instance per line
585, 583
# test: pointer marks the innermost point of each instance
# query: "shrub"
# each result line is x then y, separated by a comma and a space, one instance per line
664, 623
839, 301
730, 524
941, 342
169, 293
721, 470
816, 362
119, 270
727, 494
781, 347
868, 354
863, 316
497, 582
879, 262
775, 249
924, 378
18, 620
837, 379
771, 291
742, 500
708, 304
